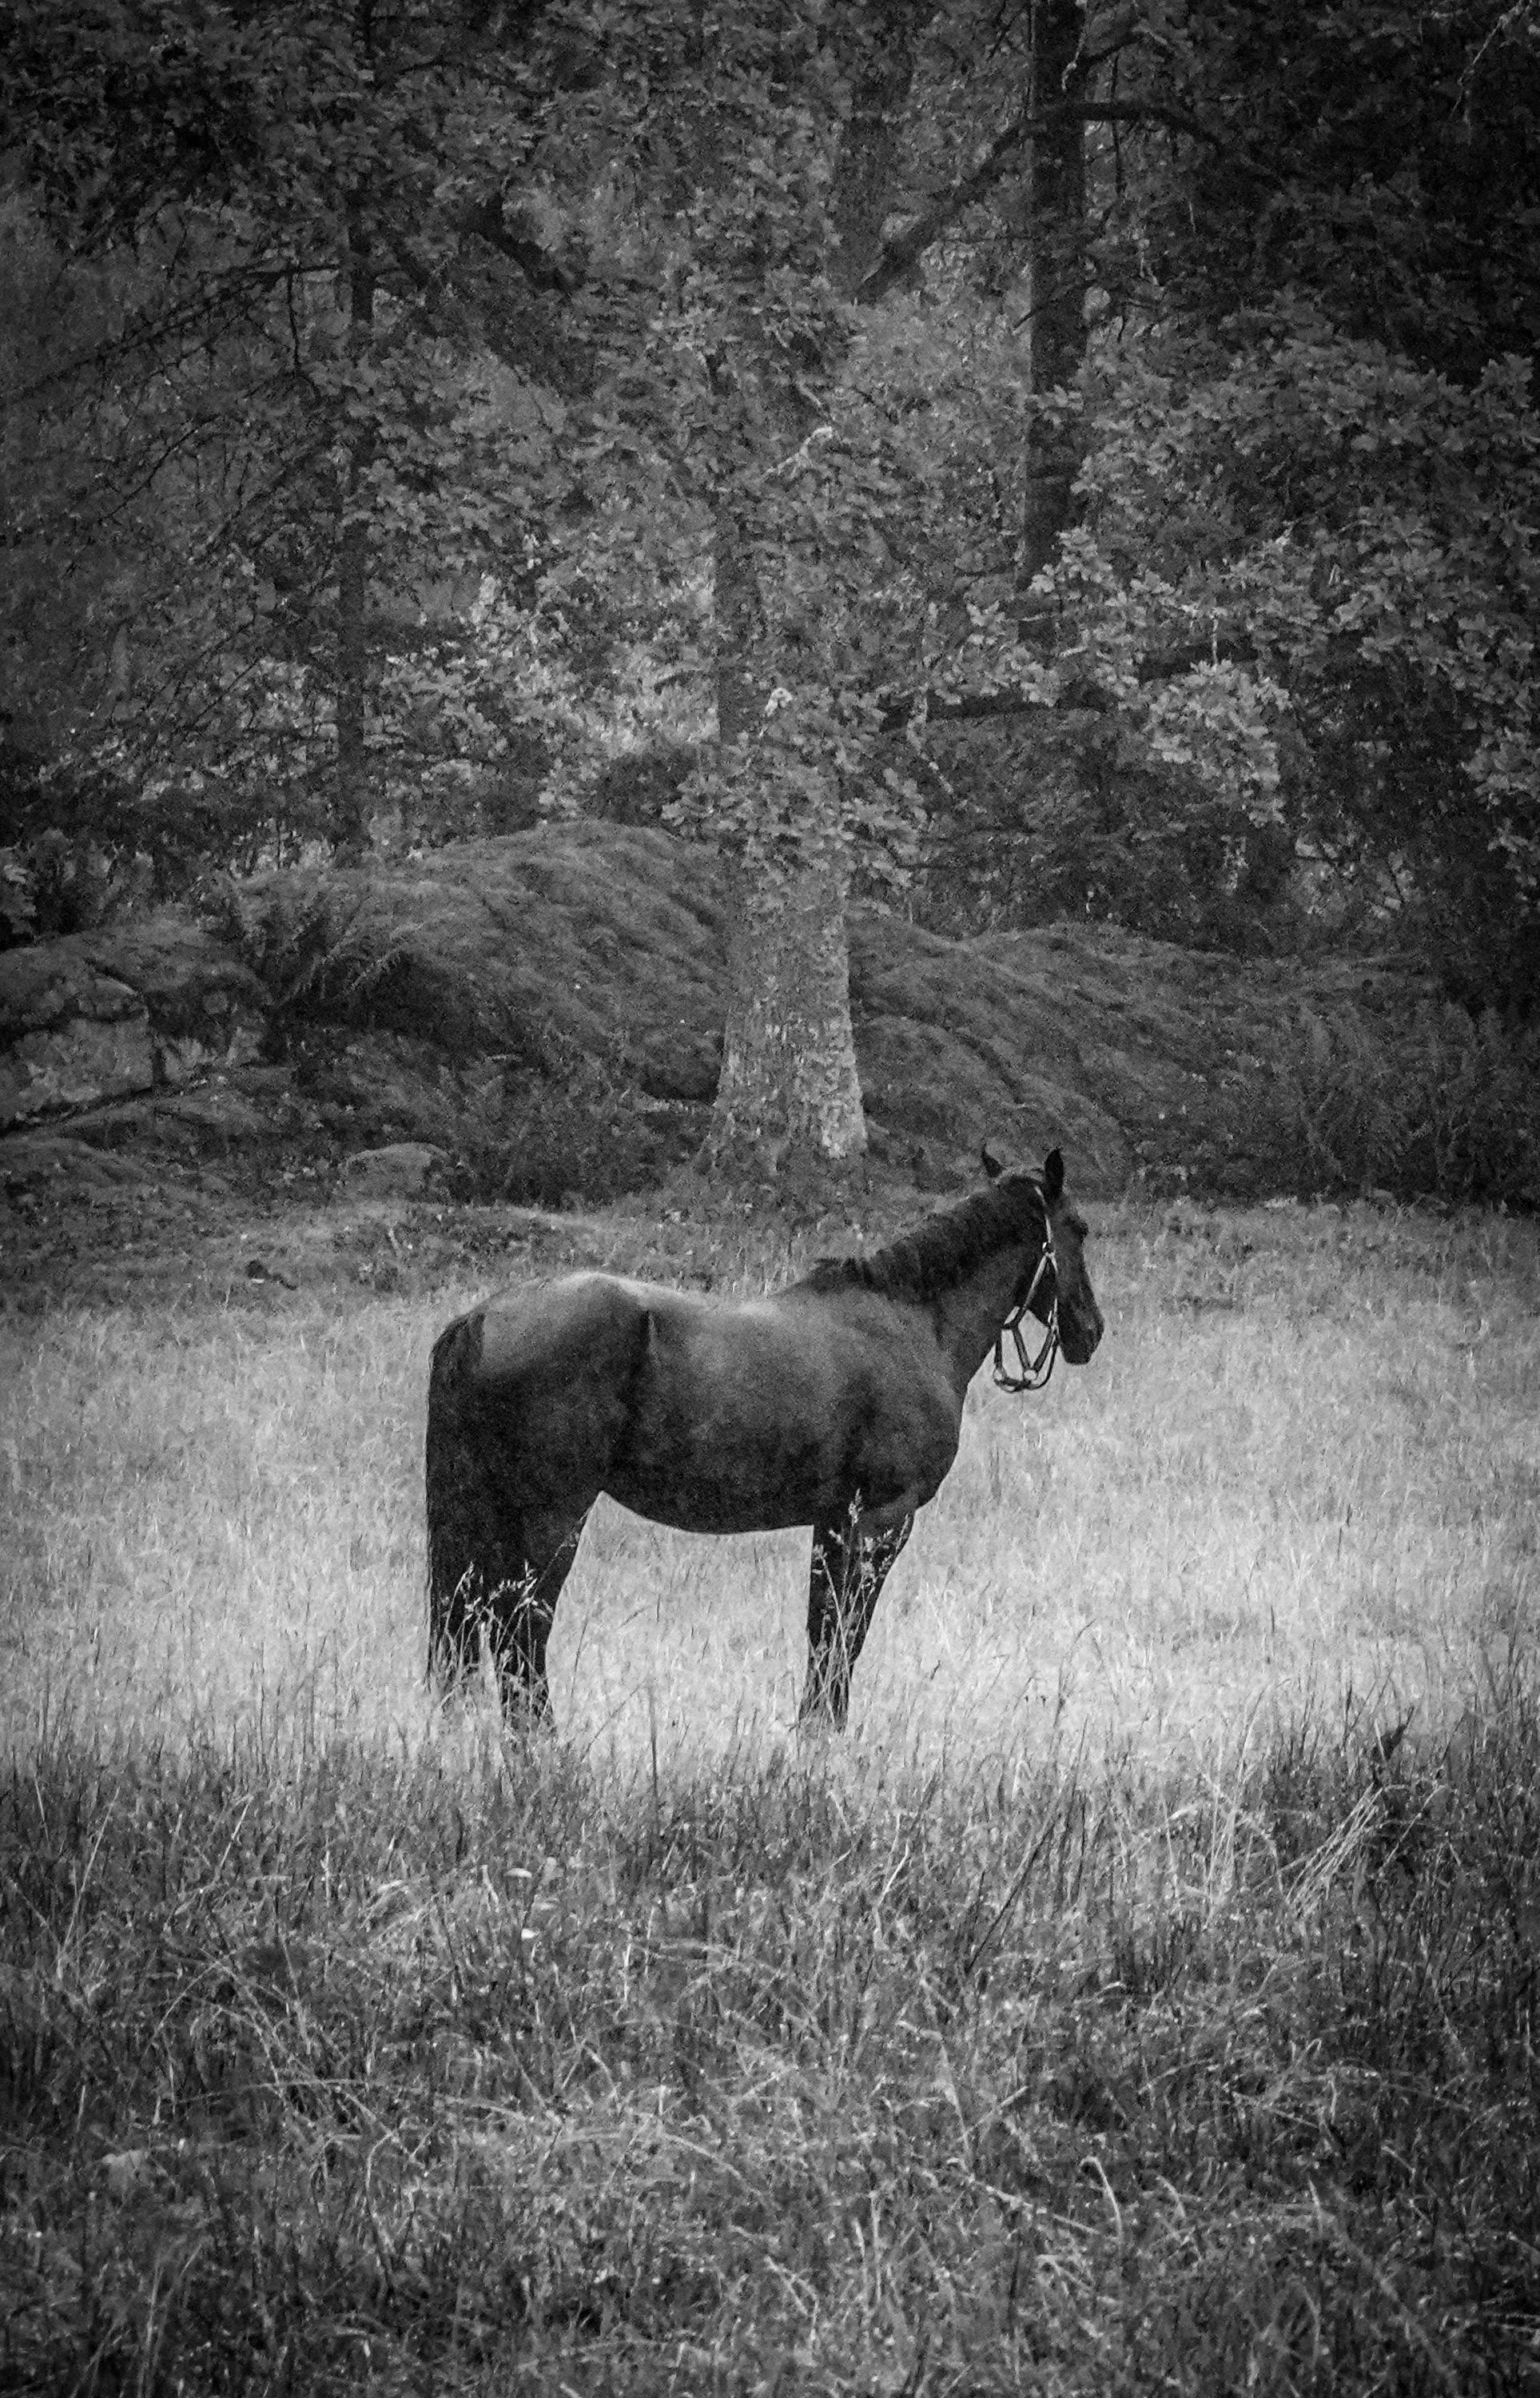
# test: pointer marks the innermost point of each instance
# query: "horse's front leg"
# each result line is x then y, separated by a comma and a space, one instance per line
851, 1554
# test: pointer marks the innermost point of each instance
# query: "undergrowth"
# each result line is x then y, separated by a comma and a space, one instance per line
1449, 1109
340, 2067
316, 951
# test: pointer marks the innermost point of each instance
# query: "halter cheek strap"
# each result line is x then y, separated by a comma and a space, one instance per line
1033, 1373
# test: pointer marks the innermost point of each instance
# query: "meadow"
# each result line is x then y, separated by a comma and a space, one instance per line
1139, 1996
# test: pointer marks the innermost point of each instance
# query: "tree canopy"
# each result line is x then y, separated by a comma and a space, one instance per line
410, 412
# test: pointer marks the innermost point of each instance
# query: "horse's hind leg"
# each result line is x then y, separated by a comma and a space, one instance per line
519, 1607
509, 1595
529, 1404
494, 1566
850, 1560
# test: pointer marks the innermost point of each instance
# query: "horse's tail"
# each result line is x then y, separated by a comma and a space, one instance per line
457, 1500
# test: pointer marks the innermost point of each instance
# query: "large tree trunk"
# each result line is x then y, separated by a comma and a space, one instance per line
789, 1095
1056, 261
351, 803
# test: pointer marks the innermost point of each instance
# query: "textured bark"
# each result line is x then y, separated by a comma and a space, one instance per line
789, 1092
1056, 256
349, 814
868, 154
789, 1088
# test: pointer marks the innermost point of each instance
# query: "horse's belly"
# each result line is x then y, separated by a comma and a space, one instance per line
719, 1494
686, 1512
752, 1451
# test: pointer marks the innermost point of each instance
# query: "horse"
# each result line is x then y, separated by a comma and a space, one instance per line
836, 1402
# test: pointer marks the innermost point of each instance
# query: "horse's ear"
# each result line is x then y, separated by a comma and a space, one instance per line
992, 1165
1054, 1176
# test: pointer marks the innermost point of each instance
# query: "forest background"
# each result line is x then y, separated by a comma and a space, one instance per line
1015, 463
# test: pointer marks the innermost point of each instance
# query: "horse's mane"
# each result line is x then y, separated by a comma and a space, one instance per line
943, 1252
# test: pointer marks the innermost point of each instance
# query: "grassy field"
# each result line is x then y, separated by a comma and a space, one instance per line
1111, 2010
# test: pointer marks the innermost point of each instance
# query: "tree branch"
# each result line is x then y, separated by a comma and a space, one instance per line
542, 269
973, 707
1083, 693
211, 313
901, 253
898, 255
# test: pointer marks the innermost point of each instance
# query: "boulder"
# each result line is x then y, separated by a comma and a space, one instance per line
403, 1171
78, 1062
100, 1016
46, 987
215, 1117
587, 958
536, 949
190, 984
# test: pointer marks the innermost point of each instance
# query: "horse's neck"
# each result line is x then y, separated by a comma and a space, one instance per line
967, 1317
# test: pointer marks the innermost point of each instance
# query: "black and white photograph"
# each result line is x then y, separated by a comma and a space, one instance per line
770, 1198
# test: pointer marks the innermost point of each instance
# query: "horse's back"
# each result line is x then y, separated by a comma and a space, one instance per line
540, 1325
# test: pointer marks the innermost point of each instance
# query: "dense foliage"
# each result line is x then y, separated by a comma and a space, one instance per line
389, 393
264, 442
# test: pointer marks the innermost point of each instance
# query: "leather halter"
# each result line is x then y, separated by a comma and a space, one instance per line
1033, 1372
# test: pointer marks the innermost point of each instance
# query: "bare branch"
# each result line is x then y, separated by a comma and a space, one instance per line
902, 252
899, 707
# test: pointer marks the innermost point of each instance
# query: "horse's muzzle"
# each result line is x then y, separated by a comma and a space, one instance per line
1080, 1332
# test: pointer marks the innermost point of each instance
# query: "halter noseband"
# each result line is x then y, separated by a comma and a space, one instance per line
1033, 1373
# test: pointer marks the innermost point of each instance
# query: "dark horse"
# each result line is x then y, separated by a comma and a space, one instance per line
837, 1403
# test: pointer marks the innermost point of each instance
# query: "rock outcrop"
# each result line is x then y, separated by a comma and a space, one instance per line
550, 1006
154, 1002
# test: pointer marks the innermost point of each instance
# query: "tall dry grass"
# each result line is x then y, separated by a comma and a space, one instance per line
1303, 1466
1118, 2007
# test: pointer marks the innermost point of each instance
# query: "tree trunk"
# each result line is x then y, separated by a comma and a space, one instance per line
351, 803
788, 1092
1056, 260
789, 1095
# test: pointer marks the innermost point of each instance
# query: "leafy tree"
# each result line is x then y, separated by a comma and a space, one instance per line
1302, 591
1303, 522
1308, 573
287, 417
1381, 159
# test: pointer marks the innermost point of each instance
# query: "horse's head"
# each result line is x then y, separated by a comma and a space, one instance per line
1081, 1323
1081, 1320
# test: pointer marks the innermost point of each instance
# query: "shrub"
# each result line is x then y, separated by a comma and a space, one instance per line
52, 885
590, 1137
1448, 1110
